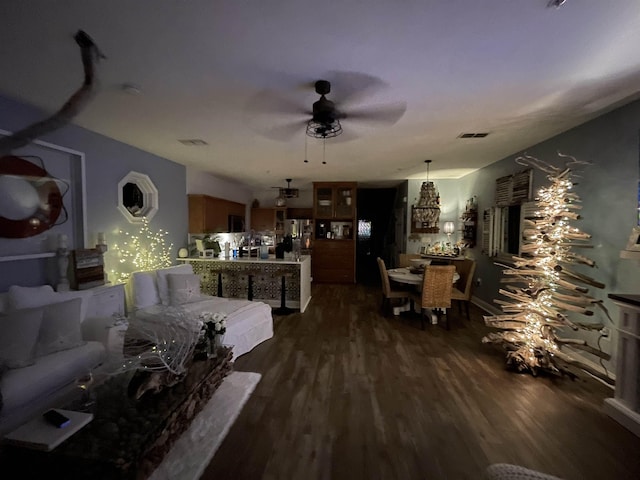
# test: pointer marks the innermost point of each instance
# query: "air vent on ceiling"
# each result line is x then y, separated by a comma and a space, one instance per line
193, 142
473, 135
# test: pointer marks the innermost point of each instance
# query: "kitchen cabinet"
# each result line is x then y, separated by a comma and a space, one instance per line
280, 217
269, 219
210, 214
334, 261
297, 212
335, 220
334, 200
262, 219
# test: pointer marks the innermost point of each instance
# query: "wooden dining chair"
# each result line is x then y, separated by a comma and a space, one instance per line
461, 293
437, 285
387, 292
404, 259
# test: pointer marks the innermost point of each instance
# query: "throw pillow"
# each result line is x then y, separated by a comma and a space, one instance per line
183, 288
60, 329
30, 297
145, 290
83, 295
18, 336
163, 286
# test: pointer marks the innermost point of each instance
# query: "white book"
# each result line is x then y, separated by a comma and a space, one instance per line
39, 434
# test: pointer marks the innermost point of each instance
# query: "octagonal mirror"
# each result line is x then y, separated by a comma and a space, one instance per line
137, 197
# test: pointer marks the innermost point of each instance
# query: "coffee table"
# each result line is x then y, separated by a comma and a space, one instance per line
128, 438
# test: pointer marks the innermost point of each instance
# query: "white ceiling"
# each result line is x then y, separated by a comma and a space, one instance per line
220, 71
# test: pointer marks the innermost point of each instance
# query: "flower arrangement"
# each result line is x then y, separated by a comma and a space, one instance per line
213, 323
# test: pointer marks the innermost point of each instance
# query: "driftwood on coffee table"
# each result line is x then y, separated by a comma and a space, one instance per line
128, 438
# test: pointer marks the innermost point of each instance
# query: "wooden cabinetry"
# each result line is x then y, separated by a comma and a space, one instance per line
269, 219
210, 214
280, 217
262, 219
335, 220
334, 200
298, 212
334, 261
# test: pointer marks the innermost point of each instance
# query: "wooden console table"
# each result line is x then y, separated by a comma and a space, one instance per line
625, 406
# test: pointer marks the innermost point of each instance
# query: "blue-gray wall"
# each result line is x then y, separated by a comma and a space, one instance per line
609, 192
106, 162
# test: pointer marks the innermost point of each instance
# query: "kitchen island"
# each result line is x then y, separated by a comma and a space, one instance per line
230, 278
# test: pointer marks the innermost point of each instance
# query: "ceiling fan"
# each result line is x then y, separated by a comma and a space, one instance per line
288, 192
328, 118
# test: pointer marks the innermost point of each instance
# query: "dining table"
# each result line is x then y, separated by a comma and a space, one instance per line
410, 276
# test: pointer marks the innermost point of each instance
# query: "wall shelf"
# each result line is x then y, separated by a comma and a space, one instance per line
469, 227
29, 256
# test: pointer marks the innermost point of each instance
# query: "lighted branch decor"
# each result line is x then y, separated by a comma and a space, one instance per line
146, 250
159, 347
543, 287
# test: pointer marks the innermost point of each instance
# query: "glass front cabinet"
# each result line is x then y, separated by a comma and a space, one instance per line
334, 212
334, 200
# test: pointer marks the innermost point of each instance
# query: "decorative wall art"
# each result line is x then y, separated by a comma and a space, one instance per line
41, 200
137, 197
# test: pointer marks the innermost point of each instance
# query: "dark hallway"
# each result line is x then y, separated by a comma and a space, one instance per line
376, 232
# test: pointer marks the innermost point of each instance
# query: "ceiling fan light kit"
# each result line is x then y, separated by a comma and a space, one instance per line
324, 130
284, 193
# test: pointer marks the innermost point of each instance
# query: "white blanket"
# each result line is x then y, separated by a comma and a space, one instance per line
248, 323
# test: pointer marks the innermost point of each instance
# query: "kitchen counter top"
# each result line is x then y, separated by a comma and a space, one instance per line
271, 259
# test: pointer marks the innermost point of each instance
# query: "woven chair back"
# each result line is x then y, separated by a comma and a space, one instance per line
437, 286
384, 277
466, 269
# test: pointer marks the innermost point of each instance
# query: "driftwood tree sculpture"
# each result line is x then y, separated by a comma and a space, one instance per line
90, 54
543, 287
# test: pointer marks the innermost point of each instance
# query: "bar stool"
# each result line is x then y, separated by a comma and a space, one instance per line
250, 273
221, 271
220, 283
283, 309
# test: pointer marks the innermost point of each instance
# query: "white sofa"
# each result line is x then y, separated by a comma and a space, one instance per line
249, 323
46, 343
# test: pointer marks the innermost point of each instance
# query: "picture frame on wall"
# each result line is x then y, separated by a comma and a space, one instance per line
43, 206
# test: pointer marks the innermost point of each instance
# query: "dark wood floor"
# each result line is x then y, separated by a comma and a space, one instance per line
349, 394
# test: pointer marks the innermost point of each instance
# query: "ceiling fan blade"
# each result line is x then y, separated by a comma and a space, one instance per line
352, 87
268, 102
282, 132
387, 114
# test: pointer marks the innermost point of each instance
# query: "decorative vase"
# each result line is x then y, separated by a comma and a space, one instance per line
214, 345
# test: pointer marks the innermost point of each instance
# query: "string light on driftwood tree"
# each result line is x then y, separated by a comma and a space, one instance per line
146, 250
543, 287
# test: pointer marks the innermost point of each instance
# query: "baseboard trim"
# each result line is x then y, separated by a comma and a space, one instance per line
487, 307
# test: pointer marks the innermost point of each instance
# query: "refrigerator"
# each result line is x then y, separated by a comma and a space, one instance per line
301, 229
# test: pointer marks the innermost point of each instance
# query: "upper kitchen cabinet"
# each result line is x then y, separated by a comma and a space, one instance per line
210, 214
334, 200
269, 219
262, 219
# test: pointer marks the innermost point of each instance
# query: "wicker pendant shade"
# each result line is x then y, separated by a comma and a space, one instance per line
426, 213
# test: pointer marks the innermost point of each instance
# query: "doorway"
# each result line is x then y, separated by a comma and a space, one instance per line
376, 232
